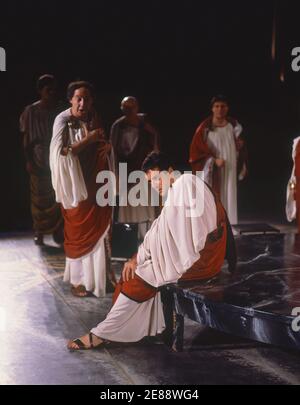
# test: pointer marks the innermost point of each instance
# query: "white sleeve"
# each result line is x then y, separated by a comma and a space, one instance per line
238, 129
176, 238
67, 177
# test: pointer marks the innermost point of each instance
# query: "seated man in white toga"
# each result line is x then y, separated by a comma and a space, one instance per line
187, 241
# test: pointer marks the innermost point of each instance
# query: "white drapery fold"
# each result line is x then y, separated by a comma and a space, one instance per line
67, 177
179, 234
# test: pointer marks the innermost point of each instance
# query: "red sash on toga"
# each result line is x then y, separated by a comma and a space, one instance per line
85, 224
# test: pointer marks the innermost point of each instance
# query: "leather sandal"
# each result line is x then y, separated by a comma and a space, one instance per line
80, 291
82, 346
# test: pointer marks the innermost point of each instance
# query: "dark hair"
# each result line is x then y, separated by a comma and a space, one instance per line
45, 80
72, 87
219, 99
156, 160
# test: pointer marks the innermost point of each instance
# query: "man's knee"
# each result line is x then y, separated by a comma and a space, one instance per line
135, 289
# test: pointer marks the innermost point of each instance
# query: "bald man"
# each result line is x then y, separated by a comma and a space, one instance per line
133, 138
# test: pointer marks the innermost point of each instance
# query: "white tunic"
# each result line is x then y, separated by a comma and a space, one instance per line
36, 122
130, 321
128, 138
179, 234
89, 270
67, 177
70, 189
170, 248
222, 142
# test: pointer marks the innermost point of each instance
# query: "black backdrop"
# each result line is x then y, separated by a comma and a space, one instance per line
173, 57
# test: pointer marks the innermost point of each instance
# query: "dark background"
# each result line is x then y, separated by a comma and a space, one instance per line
173, 57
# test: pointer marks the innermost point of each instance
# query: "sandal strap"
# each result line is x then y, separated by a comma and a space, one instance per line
91, 340
79, 343
79, 290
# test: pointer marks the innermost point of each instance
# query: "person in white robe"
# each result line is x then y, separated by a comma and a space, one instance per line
133, 138
78, 152
218, 150
176, 241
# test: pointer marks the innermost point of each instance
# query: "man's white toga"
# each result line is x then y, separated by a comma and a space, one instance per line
222, 142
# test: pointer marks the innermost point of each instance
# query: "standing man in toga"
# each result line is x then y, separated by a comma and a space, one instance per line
218, 149
133, 138
78, 152
36, 123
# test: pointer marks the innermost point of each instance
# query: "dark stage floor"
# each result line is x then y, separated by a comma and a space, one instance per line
38, 314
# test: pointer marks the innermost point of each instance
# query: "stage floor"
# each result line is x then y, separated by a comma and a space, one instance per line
38, 315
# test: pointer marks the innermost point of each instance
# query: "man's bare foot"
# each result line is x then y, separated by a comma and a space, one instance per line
79, 291
86, 342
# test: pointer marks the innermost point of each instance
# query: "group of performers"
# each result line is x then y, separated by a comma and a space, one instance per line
66, 150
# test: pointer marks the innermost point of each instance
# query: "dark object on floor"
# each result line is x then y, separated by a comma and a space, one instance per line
124, 240
39, 239
231, 253
58, 235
